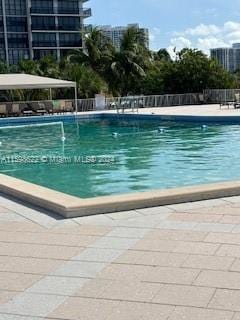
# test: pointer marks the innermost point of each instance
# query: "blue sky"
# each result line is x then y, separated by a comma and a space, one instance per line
175, 23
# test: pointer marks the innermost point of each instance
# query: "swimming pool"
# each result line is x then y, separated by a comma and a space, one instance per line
107, 157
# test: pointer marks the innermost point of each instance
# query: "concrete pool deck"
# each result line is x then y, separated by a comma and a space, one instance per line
177, 262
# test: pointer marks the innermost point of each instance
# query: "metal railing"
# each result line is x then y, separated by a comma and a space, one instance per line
220, 95
143, 101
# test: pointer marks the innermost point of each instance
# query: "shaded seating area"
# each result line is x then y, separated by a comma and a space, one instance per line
35, 108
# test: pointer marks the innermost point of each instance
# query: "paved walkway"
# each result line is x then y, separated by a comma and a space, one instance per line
179, 262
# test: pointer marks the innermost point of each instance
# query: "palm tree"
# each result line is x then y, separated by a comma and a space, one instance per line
130, 63
97, 52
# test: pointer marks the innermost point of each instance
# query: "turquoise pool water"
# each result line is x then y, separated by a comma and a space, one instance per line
139, 157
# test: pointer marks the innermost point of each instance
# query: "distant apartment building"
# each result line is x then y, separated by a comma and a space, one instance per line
229, 58
115, 34
30, 29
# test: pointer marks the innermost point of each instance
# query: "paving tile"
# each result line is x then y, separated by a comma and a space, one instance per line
15, 317
236, 265
89, 230
17, 281
140, 311
163, 259
185, 313
185, 206
11, 216
28, 265
226, 300
126, 272
4, 210
114, 243
174, 225
177, 235
164, 211
36, 216
120, 290
17, 226
196, 248
142, 222
222, 210
236, 229
5, 296
227, 238
149, 273
208, 262
65, 286
194, 217
130, 257
214, 227
96, 220
124, 232
230, 219
99, 255
76, 308
124, 215
28, 304
189, 206
184, 295
80, 269
235, 199
38, 251
228, 250
47, 238
155, 245
218, 279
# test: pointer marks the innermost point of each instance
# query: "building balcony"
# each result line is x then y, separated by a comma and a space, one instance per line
85, 12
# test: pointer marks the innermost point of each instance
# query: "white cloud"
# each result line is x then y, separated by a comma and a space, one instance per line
203, 30
205, 37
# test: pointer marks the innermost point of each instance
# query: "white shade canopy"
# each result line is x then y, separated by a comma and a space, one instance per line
27, 81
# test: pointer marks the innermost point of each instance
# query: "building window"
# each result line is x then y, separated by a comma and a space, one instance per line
44, 40
43, 23
70, 40
15, 55
69, 24
68, 6
1, 24
2, 55
16, 7
16, 24
42, 6
2, 41
17, 40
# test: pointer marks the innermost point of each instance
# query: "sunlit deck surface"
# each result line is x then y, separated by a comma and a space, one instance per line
176, 262
194, 110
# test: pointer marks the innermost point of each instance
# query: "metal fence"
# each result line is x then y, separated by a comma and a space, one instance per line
144, 101
220, 95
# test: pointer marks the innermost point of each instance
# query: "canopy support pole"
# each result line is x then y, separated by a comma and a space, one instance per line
50, 94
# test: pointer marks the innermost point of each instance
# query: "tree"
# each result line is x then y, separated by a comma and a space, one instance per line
88, 81
97, 53
130, 63
162, 55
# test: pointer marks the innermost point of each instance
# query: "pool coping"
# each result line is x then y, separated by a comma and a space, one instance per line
70, 207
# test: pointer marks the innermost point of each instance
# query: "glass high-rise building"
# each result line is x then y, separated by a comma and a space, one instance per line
30, 29
115, 34
229, 58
